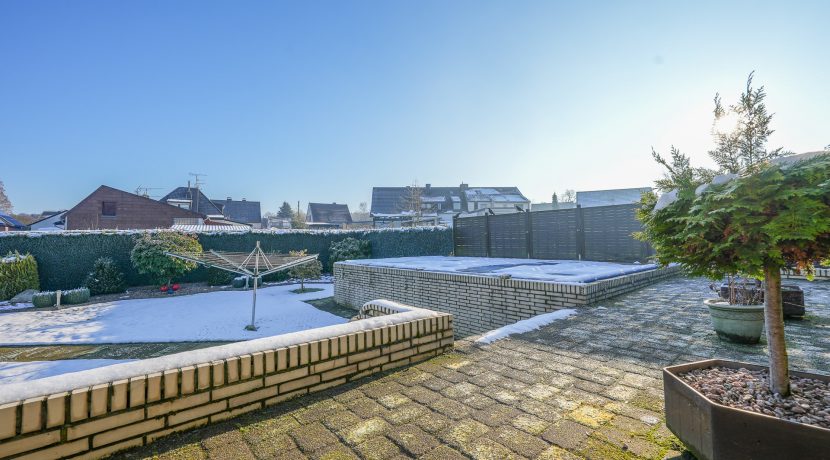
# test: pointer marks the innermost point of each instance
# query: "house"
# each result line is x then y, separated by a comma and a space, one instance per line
328, 215
192, 198
110, 208
50, 221
241, 211
610, 197
428, 205
9, 223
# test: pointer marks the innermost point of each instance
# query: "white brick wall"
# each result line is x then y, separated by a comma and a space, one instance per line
477, 303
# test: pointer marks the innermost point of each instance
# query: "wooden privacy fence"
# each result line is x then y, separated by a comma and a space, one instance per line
602, 233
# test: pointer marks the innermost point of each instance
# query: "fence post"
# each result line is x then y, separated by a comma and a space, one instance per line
529, 234
487, 233
580, 233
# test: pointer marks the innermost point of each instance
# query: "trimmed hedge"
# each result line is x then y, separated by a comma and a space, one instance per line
44, 299
65, 258
74, 296
17, 273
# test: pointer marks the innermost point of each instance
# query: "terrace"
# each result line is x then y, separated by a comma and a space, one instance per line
588, 386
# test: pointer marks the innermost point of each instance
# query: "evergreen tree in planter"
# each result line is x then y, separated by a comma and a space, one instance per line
148, 255
765, 213
105, 278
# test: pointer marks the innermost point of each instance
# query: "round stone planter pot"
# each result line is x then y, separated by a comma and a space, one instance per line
736, 323
716, 432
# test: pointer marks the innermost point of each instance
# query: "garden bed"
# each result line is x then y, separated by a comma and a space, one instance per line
809, 401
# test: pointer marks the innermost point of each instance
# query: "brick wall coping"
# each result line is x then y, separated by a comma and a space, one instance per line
394, 313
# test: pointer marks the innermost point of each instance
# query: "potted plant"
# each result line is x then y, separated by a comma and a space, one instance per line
738, 312
759, 214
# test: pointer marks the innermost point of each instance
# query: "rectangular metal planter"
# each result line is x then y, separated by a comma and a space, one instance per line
716, 432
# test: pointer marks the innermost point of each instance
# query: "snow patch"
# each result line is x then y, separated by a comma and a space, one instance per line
24, 371
213, 316
558, 271
525, 325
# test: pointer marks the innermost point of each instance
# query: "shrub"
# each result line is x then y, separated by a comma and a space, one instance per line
105, 277
148, 255
17, 273
309, 270
349, 249
44, 299
216, 277
74, 296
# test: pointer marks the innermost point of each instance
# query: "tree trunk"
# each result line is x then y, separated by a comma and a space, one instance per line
779, 372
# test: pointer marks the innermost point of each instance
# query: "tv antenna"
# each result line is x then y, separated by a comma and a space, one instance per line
197, 183
145, 191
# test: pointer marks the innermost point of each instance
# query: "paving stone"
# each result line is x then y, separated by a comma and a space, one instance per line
413, 440
590, 416
451, 408
270, 446
366, 430
378, 448
443, 453
487, 449
566, 433
495, 415
520, 442
393, 400
557, 453
530, 424
312, 437
405, 414
334, 452
433, 422
464, 433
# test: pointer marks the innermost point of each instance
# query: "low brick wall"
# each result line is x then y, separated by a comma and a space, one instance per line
101, 411
478, 303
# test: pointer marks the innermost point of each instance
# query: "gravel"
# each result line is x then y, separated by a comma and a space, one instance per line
809, 400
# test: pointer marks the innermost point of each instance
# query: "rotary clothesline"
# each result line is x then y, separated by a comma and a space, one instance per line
243, 263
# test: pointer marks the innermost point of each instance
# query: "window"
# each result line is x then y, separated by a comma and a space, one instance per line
108, 208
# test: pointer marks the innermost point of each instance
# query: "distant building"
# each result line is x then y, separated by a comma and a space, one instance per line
50, 221
328, 215
192, 199
9, 224
110, 208
610, 197
242, 211
220, 212
395, 206
276, 222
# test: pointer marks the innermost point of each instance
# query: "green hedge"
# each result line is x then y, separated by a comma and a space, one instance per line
18, 273
65, 258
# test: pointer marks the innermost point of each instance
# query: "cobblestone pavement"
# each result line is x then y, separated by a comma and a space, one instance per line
584, 387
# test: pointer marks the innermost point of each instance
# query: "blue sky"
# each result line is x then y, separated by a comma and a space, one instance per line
321, 101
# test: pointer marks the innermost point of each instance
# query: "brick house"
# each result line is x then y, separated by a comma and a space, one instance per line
110, 208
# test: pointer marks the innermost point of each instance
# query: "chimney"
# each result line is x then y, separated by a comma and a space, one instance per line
334, 203
463, 186
229, 199
243, 199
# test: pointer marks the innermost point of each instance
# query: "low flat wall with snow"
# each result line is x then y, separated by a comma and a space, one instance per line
100, 411
478, 303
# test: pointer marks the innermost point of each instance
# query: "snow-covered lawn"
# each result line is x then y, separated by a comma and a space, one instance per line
561, 271
525, 325
213, 316
12, 372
